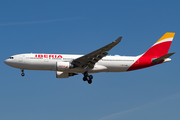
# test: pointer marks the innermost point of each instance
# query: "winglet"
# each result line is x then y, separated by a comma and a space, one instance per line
118, 40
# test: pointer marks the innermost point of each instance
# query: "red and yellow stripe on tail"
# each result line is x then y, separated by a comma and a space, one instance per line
160, 48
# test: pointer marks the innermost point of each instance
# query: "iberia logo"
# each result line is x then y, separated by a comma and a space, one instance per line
48, 56
63, 66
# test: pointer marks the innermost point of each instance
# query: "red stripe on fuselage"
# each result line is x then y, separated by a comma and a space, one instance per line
155, 51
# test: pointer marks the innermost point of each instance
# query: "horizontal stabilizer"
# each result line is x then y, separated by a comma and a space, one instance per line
162, 58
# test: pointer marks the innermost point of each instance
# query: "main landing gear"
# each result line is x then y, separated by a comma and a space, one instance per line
22, 74
87, 77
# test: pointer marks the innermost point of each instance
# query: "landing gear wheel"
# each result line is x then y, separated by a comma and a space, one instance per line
90, 81
85, 79
22, 74
90, 77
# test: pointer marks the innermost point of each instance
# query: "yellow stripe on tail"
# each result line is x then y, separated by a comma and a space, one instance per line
165, 36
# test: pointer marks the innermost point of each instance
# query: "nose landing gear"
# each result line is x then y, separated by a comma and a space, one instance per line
22, 74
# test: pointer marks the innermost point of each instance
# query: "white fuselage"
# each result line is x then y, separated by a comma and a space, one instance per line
97, 61
49, 62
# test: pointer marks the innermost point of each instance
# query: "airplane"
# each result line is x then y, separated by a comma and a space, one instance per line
67, 65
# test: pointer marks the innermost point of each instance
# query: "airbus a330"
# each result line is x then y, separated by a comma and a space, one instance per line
67, 65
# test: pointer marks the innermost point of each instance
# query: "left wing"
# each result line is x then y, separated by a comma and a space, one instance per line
90, 59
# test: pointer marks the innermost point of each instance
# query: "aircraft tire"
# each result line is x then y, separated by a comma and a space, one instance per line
85, 79
90, 77
90, 81
22, 74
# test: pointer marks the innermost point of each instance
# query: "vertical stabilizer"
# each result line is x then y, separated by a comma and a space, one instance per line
156, 54
161, 47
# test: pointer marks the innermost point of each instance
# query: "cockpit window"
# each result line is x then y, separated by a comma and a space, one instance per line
11, 58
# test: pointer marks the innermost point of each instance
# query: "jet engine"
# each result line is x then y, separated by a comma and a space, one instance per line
63, 65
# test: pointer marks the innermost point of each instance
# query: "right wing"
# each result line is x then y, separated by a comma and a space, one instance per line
90, 59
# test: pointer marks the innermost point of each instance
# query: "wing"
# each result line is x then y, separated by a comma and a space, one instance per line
90, 59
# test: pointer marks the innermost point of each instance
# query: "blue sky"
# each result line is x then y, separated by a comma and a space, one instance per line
80, 27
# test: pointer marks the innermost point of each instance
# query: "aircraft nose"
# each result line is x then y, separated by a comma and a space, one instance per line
6, 61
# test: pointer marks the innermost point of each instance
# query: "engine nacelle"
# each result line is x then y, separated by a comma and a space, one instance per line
60, 74
62, 65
